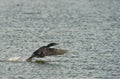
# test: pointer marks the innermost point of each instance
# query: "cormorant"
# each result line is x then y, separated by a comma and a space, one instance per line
46, 51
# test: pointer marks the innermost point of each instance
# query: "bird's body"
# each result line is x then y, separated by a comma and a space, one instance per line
46, 51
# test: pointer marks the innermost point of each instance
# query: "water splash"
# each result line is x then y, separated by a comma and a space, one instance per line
16, 59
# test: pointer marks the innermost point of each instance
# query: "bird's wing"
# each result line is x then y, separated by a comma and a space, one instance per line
53, 51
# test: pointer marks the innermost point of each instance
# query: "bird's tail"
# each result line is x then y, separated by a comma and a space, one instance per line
52, 44
29, 59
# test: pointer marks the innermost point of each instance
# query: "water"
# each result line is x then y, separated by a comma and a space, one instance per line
88, 29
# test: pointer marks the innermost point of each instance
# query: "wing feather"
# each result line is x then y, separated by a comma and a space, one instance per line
52, 51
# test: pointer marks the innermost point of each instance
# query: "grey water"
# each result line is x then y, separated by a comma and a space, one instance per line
88, 29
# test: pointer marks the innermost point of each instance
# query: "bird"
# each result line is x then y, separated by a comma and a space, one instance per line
46, 51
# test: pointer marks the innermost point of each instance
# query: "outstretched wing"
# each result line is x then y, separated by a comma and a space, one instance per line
52, 51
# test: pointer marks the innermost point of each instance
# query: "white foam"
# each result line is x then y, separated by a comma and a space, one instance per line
16, 59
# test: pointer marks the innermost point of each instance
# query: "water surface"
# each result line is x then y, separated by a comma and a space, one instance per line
88, 29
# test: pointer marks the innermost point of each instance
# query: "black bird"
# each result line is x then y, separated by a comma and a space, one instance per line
46, 51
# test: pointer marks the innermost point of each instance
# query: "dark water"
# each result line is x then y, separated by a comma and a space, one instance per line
88, 29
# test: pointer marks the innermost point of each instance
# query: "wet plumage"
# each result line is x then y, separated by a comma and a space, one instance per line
46, 51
